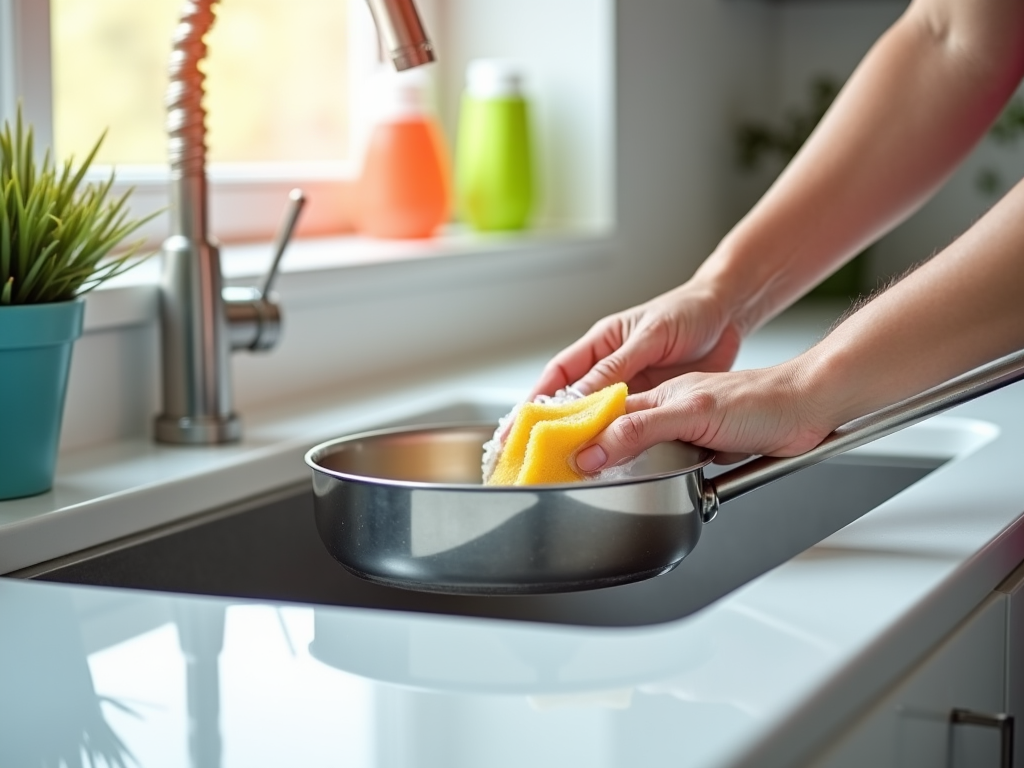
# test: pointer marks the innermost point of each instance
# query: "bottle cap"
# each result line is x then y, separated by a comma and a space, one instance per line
493, 79
401, 94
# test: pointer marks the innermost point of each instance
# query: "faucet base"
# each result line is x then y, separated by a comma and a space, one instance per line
184, 430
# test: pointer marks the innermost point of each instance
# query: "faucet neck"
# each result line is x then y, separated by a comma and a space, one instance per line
186, 120
197, 391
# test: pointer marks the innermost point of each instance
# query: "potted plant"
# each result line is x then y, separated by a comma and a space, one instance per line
56, 238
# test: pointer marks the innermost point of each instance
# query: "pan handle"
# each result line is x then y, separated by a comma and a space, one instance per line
892, 418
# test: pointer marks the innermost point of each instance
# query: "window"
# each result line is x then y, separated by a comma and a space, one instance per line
276, 79
279, 100
325, 90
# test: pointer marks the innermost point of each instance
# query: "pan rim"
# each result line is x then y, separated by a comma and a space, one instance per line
320, 450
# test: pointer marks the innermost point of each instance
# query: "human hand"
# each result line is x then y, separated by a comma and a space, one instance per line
770, 411
680, 331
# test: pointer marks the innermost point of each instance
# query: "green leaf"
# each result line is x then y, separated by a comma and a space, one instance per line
57, 232
5, 236
38, 267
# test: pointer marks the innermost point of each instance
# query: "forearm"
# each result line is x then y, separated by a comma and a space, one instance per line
959, 310
920, 100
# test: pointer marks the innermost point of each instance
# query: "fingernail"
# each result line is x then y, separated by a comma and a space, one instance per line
591, 459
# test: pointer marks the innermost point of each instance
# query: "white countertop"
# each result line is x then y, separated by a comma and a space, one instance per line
756, 678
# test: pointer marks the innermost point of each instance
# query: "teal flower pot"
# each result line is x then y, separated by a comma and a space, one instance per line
35, 356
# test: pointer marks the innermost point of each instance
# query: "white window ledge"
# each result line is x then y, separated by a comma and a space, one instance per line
337, 268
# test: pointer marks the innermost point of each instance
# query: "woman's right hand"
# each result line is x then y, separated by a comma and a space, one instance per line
678, 332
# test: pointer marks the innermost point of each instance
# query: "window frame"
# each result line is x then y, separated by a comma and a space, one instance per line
246, 200
25, 71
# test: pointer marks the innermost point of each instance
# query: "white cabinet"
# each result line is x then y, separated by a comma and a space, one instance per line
910, 726
1013, 588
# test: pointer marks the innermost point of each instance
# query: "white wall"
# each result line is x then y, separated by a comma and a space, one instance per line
686, 71
652, 147
567, 53
682, 70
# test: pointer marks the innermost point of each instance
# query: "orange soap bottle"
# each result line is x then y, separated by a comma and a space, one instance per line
404, 189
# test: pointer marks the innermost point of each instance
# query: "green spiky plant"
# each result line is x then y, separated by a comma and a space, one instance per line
56, 233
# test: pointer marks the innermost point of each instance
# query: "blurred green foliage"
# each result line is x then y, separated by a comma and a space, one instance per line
757, 141
1005, 132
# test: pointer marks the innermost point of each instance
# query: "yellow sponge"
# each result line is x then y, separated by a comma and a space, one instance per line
545, 436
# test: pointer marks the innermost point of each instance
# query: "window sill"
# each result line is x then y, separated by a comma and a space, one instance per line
330, 269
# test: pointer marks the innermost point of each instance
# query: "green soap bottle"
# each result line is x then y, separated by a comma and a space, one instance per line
493, 160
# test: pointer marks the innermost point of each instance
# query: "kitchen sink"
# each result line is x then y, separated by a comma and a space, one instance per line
269, 548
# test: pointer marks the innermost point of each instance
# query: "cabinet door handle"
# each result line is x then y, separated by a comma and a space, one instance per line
1002, 721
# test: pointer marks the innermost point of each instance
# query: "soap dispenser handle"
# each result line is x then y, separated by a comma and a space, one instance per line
296, 200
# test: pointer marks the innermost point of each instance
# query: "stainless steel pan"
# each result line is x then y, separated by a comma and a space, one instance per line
405, 507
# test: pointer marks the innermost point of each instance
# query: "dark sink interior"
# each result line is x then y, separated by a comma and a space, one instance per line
270, 549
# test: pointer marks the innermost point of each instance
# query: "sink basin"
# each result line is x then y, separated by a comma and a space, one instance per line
270, 549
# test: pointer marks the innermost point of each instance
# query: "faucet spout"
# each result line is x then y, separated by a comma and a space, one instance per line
401, 33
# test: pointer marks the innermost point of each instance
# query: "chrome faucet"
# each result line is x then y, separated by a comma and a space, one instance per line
202, 322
